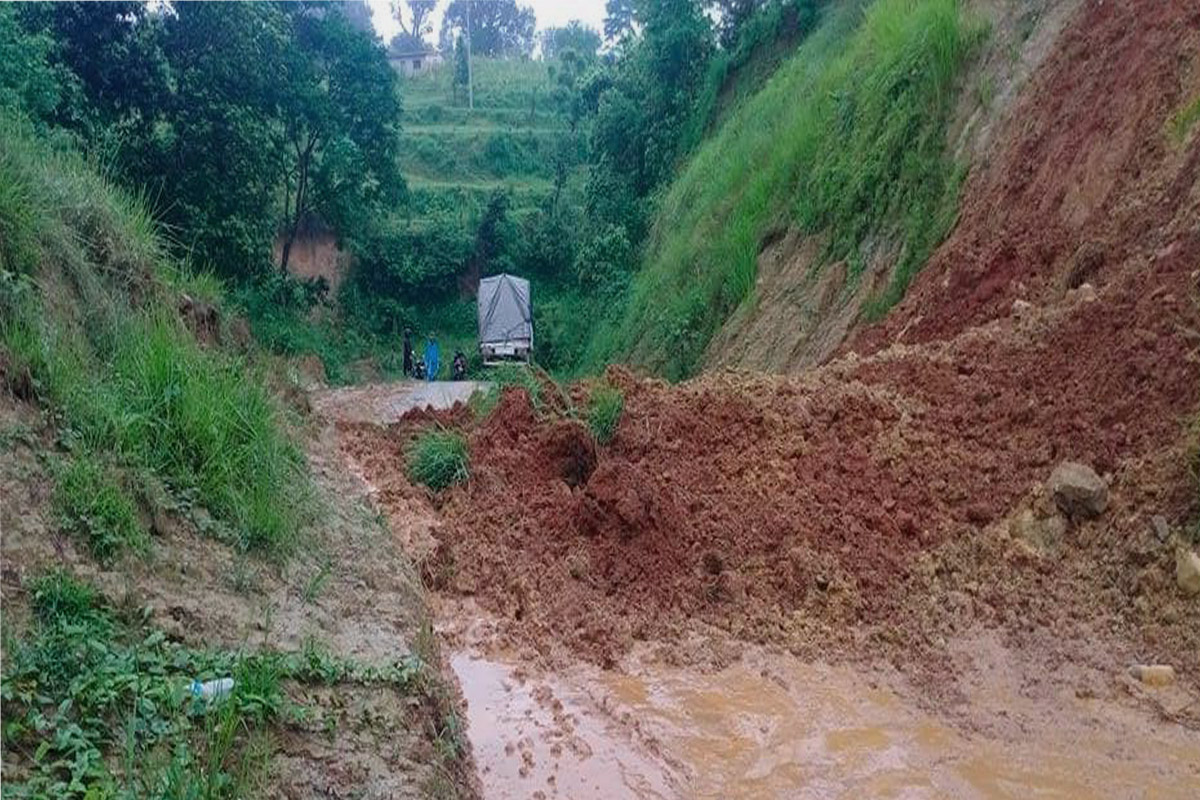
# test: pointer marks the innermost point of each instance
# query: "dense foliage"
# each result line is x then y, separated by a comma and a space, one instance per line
247, 125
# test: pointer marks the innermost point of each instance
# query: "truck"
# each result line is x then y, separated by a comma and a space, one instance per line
505, 319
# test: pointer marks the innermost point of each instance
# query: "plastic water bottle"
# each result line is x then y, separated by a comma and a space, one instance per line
212, 690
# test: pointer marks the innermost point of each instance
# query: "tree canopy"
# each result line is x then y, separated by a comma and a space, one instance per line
498, 27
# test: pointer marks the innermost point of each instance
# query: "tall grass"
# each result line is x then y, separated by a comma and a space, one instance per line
438, 459
848, 137
605, 407
96, 327
96, 507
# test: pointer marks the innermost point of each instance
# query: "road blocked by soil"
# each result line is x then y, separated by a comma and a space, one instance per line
954, 698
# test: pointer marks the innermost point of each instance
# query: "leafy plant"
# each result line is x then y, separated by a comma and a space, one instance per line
95, 506
438, 459
98, 704
604, 412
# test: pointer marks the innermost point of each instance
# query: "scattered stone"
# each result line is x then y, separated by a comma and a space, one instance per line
1153, 674
1187, 571
1162, 531
1078, 490
1087, 293
1021, 307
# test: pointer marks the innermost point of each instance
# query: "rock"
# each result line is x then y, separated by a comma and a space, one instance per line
1162, 531
1021, 307
1077, 490
1187, 571
1087, 293
1153, 674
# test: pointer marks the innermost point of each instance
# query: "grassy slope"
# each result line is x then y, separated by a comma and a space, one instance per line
91, 319
505, 142
847, 137
141, 420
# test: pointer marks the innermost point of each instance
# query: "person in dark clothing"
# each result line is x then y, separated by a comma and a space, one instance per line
458, 367
408, 352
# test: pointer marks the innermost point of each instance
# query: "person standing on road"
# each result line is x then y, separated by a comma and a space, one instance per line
408, 352
431, 358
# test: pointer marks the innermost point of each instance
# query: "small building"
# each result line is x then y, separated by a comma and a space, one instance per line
410, 60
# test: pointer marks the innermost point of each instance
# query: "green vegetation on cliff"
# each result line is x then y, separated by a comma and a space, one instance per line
90, 324
847, 138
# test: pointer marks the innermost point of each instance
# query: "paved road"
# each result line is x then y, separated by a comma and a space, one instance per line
387, 402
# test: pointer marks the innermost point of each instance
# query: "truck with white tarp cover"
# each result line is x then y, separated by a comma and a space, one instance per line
505, 319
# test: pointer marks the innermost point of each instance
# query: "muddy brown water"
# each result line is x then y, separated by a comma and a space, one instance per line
772, 727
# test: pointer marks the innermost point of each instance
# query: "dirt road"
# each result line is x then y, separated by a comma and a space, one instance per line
757, 722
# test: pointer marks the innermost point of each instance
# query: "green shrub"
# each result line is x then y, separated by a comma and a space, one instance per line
604, 412
96, 507
438, 459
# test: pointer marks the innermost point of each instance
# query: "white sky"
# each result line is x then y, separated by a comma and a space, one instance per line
550, 14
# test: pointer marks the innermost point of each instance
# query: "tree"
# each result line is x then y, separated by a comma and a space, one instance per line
339, 113
574, 36
731, 15
113, 52
498, 27
640, 118
462, 70
215, 156
495, 241
29, 82
358, 14
618, 19
419, 23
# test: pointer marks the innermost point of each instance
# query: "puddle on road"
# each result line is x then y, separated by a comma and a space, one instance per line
791, 731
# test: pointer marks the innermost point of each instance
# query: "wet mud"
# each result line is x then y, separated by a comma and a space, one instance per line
768, 728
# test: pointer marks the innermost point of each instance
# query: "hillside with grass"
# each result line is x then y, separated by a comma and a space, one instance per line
162, 525
847, 141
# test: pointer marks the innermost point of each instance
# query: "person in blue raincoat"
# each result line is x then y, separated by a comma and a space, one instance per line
431, 359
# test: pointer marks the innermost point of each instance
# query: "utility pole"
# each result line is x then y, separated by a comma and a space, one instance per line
470, 86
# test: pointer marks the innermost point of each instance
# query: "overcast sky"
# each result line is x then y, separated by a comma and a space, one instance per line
550, 14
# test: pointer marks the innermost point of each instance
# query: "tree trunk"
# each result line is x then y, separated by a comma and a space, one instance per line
305, 157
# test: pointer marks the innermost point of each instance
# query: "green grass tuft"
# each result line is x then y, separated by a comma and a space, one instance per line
1183, 120
438, 459
97, 508
57, 598
605, 407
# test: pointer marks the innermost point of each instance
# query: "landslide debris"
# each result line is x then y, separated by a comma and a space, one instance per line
902, 492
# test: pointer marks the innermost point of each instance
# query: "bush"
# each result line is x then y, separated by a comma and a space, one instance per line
438, 459
604, 412
96, 507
